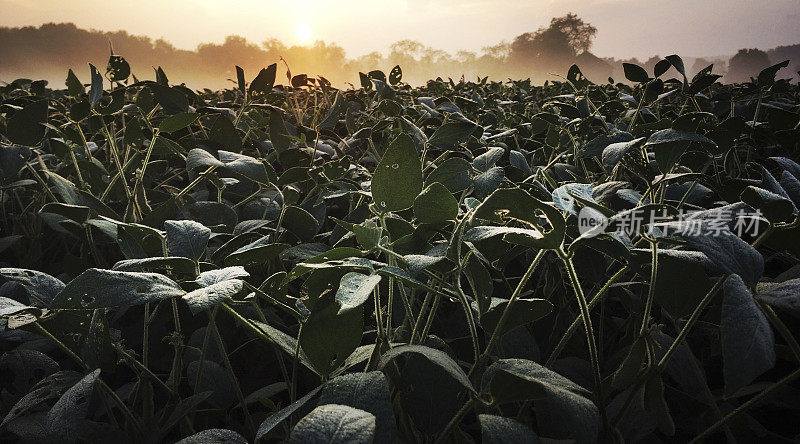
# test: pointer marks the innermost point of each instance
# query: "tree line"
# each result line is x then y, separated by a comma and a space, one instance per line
49, 50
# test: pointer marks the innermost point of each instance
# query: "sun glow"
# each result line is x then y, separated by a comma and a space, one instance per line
303, 32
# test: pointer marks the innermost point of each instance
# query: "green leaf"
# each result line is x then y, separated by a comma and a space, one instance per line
488, 159
264, 80
681, 283
397, 179
677, 62
240, 82
300, 223
283, 414
177, 122
366, 391
613, 153
213, 378
96, 89
25, 126
784, 295
278, 134
217, 436
209, 297
330, 334
355, 289
524, 311
596, 146
185, 406
239, 164
452, 133
368, 236
366, 83
631, 366
488, 181
49, 388
335, 424
516, 204
65, 420
172, 100
215, 215
211, 277
187, 238
635, 73
453, 173
74, 86
498, 430
670, 144
10, 307
180, 264
655, 403
332, 118
257, 252
563, 408
161, 77
435, 357
729, 252
435, 204
396, 75
661, 67
117, 69
748, 344
766, 77
95, 288
426, 381
41, 287
774, 207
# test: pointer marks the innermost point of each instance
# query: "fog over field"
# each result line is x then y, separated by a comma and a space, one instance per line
338, 39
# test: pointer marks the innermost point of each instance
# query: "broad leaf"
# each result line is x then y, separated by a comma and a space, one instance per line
95, 288
748, 344
335, 424
398, 177
186, 238
435, 205
366, 391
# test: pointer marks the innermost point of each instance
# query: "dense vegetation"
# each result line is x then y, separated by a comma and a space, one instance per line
392, 263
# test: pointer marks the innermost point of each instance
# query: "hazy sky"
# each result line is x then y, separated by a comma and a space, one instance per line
626, 28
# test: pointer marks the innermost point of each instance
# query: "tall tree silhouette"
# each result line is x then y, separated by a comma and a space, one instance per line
745, 64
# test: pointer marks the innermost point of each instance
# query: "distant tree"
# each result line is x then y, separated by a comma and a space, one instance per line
551, 49
467, 57
698, 65
745, 64
500, 51
578, 32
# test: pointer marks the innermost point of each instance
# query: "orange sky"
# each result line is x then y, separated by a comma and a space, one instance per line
627, 28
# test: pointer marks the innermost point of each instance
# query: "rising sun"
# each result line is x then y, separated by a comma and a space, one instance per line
303, 32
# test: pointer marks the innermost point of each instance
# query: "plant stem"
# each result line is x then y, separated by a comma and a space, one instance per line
690, 323
744, 407
587, 325
652, 290
454, 421
507, 311
574, 326
229, 367
418, 322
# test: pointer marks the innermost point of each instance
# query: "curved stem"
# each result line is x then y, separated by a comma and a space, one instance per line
455, 421
744, 407
507, 311
574, 326
690, 323
652, 291
587, 326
